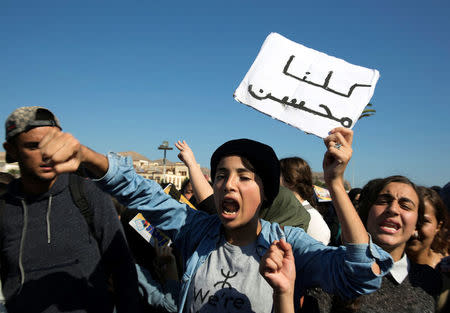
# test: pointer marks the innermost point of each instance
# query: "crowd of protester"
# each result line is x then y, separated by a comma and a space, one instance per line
259, 240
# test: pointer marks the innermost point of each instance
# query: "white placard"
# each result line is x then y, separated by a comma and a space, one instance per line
305, 88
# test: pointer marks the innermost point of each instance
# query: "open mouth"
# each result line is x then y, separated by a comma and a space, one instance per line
389, 227
230, 207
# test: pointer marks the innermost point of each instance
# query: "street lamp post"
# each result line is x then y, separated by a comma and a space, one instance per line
164, 146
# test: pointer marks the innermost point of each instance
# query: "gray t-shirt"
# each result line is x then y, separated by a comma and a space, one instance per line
229, 281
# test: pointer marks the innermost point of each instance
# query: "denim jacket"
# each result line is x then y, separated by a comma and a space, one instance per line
344, 270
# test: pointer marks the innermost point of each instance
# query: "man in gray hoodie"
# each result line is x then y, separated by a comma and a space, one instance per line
54, 258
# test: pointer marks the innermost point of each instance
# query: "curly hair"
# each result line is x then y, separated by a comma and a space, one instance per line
440, 242
297, 176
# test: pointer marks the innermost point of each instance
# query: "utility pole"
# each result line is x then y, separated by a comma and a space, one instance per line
164, 146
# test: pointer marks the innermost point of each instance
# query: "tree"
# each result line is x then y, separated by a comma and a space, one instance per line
368, 111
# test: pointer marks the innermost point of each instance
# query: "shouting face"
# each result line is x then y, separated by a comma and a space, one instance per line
392, 218
238, 194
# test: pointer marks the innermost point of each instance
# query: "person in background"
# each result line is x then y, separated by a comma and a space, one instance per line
200, 189
186, 189
297, 176
430, 243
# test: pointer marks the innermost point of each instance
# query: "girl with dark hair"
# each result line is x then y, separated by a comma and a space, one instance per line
186, 189
431, 242
392, 210
297, 176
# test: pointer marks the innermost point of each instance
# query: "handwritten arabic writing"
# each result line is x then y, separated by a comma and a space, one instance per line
326, 82
345, 121
305, 88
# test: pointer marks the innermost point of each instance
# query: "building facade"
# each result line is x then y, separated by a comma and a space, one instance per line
176, 172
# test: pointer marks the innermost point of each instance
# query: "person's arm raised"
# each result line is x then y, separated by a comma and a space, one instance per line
202, 189
66, 153
338, 154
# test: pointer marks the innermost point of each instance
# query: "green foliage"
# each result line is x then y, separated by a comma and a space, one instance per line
367, 111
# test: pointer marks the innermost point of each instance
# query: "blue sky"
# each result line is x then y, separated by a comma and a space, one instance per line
126, 75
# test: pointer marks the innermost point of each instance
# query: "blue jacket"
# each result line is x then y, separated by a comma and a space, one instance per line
157, 295
345, 270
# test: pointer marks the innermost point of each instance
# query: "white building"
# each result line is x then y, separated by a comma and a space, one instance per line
176, 172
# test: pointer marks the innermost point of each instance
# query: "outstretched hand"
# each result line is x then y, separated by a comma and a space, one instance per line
186, 155
277, 266
338, 154
61, 150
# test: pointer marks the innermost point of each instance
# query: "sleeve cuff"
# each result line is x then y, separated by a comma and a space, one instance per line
368, 253
114, 161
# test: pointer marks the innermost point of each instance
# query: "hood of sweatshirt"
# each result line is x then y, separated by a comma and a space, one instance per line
15, 189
